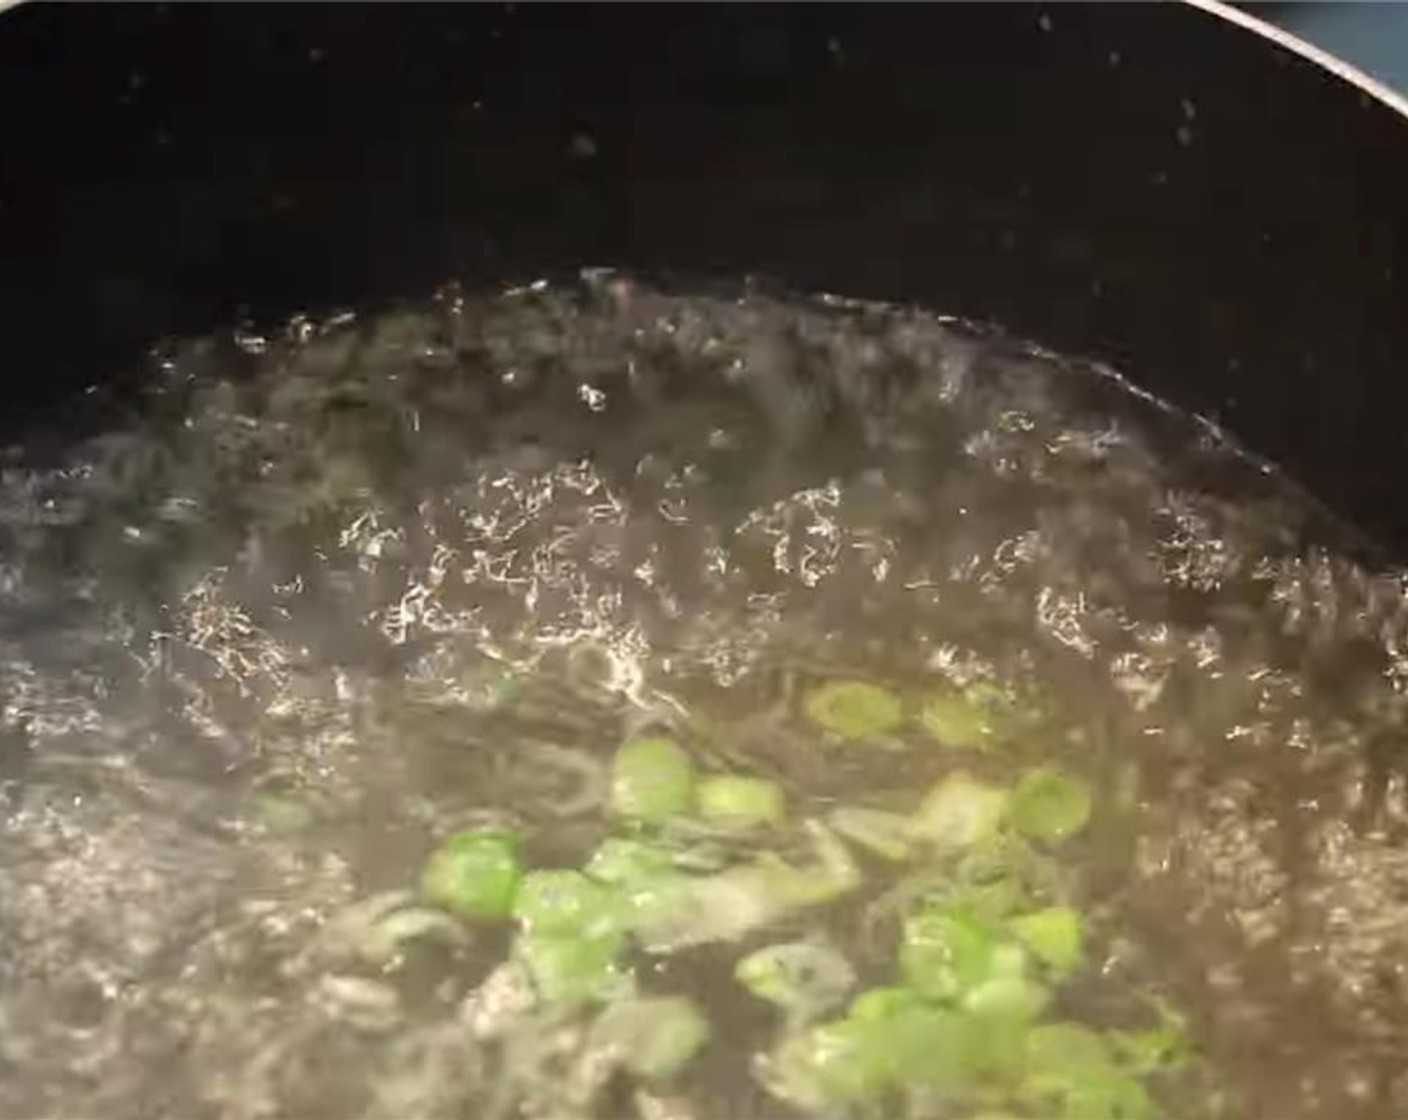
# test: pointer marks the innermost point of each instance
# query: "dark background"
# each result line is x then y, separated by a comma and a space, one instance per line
1141, 183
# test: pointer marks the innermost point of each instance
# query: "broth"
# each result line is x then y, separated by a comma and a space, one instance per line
330, 597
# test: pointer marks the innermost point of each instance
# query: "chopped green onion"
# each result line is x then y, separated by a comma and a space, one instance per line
1007, 997
971, 719
1072, 1067
960, 811
623, 861
877, 1004
945, 952
573, 969
854, 709
1055, 936
802, 977
652, 780
1050, 807
828, 1066
569, 903
653, 1037
656, 902
280, 812
1056, 1051
996, 1044
740, 802
474, 874
923, 1044
1109, 1097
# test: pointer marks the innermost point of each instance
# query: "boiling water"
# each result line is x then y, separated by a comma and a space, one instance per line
331, 595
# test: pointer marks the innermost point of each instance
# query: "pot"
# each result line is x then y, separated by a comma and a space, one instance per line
1173, 190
